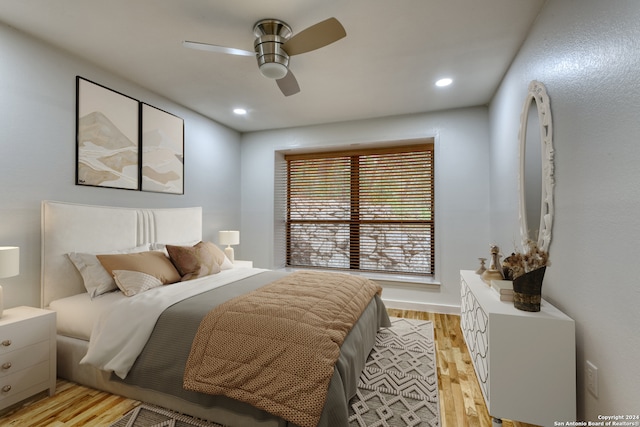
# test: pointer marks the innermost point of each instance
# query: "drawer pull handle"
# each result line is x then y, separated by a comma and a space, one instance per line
6, 365
6, 343
6, 388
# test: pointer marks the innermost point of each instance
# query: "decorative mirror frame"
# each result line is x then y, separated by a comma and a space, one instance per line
538, 93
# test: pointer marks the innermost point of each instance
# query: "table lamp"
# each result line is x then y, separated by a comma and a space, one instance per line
229, 237
9, 266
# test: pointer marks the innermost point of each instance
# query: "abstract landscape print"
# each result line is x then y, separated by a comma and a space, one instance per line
162, 151
107, 125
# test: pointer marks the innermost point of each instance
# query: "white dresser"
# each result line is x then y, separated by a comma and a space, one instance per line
27, 354
525, 361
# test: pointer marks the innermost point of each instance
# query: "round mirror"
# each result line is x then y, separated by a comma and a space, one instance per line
536, 168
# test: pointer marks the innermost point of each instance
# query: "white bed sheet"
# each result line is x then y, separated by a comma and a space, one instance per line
115, 345
77, 314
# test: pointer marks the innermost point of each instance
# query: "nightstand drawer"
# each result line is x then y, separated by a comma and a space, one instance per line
22, 380
23, 358
21, 334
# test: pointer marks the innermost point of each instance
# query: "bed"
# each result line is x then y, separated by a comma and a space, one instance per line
75, 228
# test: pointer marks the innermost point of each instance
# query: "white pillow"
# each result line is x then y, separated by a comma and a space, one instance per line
135, 282
96, 279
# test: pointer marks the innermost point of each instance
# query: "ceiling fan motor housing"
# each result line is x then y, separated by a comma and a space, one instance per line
271, 34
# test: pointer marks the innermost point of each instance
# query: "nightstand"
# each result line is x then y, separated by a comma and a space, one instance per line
27, 354
240, 263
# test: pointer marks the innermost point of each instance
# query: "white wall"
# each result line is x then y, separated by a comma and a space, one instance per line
462, 189
587, 54
37, 141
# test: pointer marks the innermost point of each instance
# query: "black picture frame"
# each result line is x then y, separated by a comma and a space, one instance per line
162, 151
107, 137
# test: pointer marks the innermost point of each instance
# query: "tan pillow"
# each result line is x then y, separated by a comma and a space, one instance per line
152, 263
200, 260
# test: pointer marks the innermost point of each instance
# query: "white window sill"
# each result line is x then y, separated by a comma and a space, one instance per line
392, 279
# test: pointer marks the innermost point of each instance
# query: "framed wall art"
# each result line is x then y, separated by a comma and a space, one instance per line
162, 151
107, 137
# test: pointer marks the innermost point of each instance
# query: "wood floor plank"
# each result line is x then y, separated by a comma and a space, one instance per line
461, 400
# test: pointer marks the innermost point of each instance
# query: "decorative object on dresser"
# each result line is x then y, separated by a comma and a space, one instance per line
27, 354
525, 362
504, 289
229, 237
9, 267
494, 272
526, 269
482, 267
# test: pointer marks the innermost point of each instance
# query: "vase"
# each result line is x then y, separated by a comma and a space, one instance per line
527, 290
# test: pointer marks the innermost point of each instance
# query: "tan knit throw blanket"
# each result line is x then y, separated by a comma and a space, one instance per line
275, 348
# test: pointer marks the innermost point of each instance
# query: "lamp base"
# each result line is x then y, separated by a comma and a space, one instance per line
228, 251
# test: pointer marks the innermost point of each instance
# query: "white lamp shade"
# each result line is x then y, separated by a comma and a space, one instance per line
229, 237
9, 261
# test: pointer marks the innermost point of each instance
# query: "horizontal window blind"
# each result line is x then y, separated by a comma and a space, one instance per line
369, 210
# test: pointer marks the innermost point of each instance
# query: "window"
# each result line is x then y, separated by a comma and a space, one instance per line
368, 210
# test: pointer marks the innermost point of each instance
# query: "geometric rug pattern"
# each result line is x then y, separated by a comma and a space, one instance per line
399, 385
153, 416
397, 388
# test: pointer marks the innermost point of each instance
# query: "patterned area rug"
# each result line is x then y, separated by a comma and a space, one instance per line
398, 387
154, 416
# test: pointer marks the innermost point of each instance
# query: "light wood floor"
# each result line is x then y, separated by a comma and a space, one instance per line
461, 401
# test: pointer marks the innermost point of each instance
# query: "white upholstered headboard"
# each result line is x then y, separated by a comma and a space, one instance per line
68, 227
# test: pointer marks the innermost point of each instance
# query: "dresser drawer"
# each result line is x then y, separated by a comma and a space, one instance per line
18, 335
23, 358
22, 380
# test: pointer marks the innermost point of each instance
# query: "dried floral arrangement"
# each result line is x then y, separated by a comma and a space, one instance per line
519, 263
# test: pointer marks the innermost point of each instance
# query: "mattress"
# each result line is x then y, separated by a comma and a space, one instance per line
77, 314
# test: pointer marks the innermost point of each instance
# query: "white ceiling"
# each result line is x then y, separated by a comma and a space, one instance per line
387, 65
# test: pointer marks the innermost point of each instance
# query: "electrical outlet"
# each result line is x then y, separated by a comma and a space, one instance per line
591, 375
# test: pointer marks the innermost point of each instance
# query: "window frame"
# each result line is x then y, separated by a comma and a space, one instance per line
355, 222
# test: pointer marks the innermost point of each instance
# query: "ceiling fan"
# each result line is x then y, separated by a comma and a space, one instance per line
275, 43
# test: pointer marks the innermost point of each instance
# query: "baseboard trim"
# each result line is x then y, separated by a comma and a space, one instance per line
422, 306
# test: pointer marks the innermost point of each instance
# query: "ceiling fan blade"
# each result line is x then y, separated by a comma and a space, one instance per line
316, 36
288, 84
215, 48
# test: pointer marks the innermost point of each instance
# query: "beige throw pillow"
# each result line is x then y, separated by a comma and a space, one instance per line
153, 263
200, 260
133, 282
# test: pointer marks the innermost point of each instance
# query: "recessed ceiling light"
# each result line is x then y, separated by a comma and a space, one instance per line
240, 111
444, 82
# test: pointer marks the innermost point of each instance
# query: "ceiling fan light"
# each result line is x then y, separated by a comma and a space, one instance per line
273, 70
